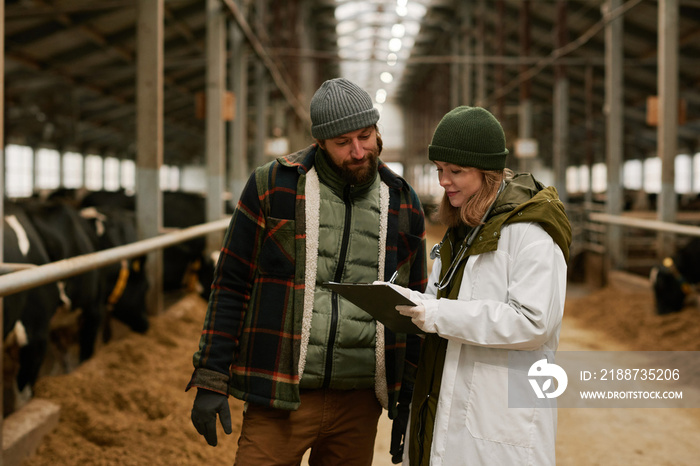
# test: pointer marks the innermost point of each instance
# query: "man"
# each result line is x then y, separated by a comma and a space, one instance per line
314, 370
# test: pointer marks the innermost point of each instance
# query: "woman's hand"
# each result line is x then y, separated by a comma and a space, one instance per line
419, 316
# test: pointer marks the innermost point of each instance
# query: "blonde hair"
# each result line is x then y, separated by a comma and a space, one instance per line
471, 212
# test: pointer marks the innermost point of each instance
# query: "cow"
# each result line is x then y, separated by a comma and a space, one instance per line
675, 280
112, 222
66, 234
124, 284
186, 262
118, 198
26, 314
185, 265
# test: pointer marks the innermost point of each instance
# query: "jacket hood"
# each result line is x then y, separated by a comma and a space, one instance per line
524, 199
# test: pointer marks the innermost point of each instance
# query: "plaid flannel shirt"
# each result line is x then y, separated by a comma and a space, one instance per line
250, 344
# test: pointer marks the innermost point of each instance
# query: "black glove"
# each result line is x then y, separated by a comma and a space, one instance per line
206, 405
398, 433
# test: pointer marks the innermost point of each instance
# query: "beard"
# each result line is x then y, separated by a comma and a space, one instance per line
355, 173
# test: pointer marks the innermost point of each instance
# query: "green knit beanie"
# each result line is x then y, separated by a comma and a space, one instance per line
340, 106
469, 137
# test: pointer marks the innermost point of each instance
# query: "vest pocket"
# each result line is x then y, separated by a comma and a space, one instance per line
277, 250
488, 415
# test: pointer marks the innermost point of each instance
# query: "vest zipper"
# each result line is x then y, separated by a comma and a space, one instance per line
338, 277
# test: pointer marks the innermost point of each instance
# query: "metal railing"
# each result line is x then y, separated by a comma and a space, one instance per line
36, 276
655, 225
646, 243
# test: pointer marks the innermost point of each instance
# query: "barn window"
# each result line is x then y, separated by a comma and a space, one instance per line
169, 178
48, 169
599, 178
584, 178
193, 179
72, 170
573, 184
683, 169
93, 172
632, 174
128, 175
19, 164
652, 175
111, 168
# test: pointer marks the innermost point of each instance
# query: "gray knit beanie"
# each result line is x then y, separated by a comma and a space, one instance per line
340, 106
469, 137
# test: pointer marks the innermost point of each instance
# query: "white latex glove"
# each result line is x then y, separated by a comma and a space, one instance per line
417, 313
420, 318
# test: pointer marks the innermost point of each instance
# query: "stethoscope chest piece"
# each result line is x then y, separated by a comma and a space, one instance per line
435, 251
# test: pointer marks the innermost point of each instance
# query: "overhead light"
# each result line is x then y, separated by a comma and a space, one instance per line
398, 30
391, 59
386, 77
395, 44
402, 2
401, 11
380, 96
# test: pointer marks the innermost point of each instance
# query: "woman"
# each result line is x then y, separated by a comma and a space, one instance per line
497, 289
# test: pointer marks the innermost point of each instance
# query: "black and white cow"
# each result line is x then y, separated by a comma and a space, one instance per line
124, 284
66, 234
186, 265
26, 315
676, 279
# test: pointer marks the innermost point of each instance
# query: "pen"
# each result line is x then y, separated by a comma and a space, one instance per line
393, 277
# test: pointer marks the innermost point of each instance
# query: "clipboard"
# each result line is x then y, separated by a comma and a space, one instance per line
380, 302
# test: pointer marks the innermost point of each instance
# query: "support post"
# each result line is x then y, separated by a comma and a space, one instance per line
149, 139
2, 182
614, 139
525, 107
561, 108
238, 145
481, 52
215, 126
667, 129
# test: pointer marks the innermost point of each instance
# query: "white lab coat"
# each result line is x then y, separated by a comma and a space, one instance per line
509, 299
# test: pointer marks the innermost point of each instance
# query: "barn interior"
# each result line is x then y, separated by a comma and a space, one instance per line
599, 98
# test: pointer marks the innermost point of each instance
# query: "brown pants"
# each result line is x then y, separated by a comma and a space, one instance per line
338, 425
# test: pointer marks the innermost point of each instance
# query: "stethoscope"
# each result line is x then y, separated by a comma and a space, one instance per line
452, 269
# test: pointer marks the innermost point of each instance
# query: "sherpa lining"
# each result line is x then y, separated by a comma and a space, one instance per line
313, 209
380, 383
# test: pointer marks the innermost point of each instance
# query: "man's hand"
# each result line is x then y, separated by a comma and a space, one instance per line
206, 406
398, 433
